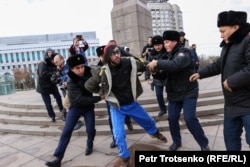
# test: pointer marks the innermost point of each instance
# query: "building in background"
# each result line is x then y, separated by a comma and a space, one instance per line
165, 16
25, 52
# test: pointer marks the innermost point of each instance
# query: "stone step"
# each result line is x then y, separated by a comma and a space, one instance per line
146, 98
100, 110
55, 130
100, 119
32, 118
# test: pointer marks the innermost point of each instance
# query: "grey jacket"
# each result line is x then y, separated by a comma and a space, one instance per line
101, 81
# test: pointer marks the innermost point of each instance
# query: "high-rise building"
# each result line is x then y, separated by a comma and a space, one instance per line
28, 51
165, 16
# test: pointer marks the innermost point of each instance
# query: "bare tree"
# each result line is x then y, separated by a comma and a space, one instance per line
23, 78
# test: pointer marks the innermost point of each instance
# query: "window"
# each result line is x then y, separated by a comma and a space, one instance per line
23, 58
93, 50
64, 52
28, 56
88, 52
38, 55
6, 58
12, 57
17, 57
1, 58
33, 56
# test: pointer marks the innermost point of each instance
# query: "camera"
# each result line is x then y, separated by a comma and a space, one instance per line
149, 49
55, 78
80, 42
63, 87
125, 48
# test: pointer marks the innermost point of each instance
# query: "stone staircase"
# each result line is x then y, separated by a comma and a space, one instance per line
32, 119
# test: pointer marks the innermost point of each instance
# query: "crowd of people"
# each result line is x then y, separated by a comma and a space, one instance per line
173, 66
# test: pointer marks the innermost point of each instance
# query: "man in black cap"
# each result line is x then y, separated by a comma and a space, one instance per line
183, 41
160, 77
234, 67
100, 54
182, 94
81, 104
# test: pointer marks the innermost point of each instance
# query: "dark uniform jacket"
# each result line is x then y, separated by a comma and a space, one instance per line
234, 65
79, 97
179, 67
160, 77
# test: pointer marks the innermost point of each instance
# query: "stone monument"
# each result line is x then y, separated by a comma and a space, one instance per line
131, 24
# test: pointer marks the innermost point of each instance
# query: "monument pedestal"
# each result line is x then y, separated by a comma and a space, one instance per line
131, 24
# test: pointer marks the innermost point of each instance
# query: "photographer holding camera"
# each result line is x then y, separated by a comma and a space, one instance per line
145, 52
79, 46
60, 77
45, 87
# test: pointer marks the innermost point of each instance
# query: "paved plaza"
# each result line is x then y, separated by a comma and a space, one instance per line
34, 151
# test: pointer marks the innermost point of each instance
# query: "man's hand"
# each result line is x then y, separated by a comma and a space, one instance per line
152, 66
102, 96
194, 77
226, 86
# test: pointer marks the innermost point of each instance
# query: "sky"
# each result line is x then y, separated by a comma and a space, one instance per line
31, 17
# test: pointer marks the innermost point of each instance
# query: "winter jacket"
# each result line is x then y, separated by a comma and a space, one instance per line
234, 66
44, 72
179, 67
101, 81
160, 77
78, 96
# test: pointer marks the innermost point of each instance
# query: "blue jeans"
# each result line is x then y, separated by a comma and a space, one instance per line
193, 125
72, 117
160, 97
139, 115
233, 130
47, 101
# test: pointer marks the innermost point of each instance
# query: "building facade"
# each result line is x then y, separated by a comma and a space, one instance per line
165, 16
28, 51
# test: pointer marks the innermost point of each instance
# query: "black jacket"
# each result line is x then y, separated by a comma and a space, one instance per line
234, 65
79, 97
44, 72
160, 77
179, 67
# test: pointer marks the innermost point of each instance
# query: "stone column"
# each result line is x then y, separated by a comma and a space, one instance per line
131, 24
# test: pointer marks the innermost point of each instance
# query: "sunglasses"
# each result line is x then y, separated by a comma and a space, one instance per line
117, 52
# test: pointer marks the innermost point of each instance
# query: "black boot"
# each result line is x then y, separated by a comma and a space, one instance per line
174, 146
88, 151
55, 163
112, 144
129, 124
161, 113
78, 125
64, 114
